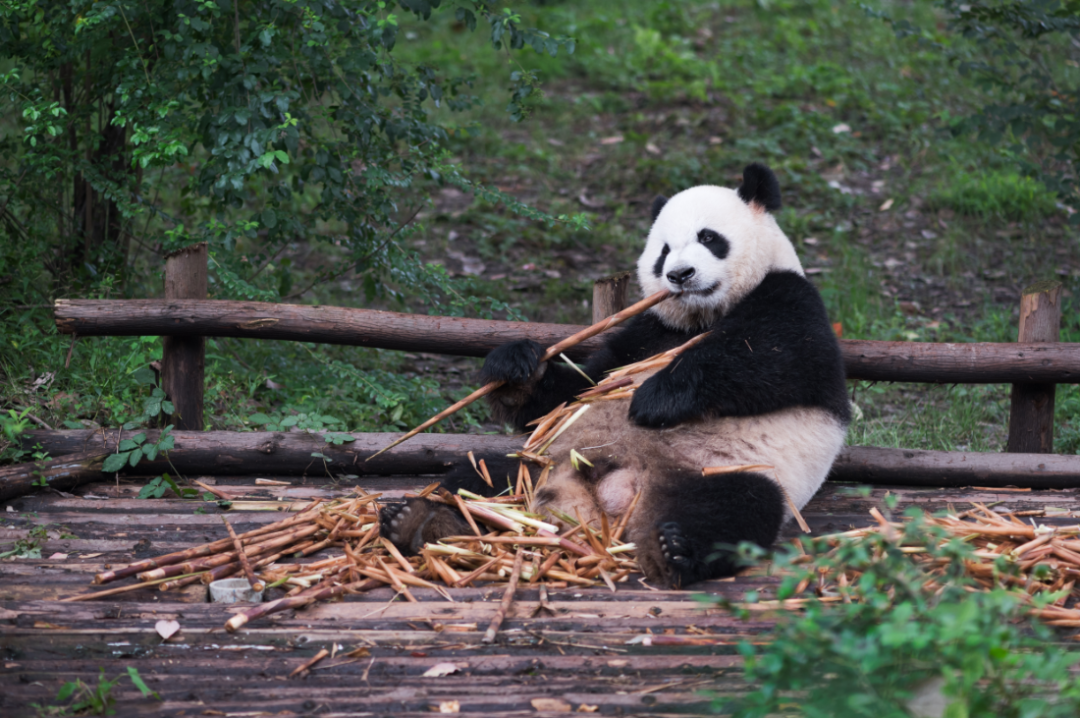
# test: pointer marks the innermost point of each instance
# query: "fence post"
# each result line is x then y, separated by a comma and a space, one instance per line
609, 296
184, 358
1031, 414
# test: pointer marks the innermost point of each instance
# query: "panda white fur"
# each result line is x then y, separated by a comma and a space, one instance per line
765, 387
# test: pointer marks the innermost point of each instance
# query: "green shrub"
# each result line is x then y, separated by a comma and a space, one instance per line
902, 634
995, 195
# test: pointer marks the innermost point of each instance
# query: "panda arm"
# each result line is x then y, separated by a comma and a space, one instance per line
773, 350
533, 388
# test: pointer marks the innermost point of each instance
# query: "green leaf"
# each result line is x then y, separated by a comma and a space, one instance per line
144, 376
134, 459
259, 418
115, 462
66, 691
127, 445
137, 680
269, 218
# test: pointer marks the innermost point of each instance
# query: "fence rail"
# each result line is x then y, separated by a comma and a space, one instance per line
978, 363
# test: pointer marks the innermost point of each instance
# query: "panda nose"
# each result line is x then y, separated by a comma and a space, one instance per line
679, 276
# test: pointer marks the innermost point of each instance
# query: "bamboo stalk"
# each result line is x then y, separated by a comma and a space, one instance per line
306, 666
508, 597
198, 551
245, 564
552, 351
303, 599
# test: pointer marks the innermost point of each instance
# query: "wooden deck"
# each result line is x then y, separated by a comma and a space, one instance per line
637, 651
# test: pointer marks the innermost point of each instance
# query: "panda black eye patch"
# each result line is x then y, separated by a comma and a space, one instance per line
716, 242
658, 268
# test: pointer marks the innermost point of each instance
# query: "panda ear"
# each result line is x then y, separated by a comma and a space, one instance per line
760, 185
657, 205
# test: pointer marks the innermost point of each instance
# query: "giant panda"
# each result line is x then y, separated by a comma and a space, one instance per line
765, 387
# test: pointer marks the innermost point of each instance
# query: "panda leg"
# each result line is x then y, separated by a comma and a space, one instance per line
411, 524
694, 523
414, 522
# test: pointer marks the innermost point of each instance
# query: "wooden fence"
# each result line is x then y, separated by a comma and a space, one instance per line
1033, 366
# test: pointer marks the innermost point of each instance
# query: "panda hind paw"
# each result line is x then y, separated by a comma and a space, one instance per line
675, 551
417, 521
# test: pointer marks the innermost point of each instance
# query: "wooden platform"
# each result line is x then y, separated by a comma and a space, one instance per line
637, 651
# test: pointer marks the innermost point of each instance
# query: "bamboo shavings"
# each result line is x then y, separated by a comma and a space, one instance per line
1046, 559
505, 535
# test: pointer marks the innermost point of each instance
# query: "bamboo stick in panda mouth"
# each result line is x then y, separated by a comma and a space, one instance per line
552, 352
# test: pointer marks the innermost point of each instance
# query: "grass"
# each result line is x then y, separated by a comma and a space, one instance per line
913, 234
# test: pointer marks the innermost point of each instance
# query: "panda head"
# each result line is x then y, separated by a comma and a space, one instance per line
711, 246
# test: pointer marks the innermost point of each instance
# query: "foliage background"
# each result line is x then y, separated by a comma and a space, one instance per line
493, 160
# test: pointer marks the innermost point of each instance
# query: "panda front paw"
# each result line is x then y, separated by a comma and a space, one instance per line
659, 404
514, 363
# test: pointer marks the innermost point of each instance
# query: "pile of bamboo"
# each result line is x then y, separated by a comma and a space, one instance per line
1038, 559
507, 544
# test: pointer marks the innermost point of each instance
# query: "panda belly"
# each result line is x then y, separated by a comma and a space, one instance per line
799, 443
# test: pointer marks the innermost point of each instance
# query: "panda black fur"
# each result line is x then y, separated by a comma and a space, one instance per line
765, 387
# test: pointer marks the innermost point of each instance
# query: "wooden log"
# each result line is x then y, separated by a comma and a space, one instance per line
987, 363
974, 363
609, 296
289, 454
911, 467
328, 325
63, 474
247, 453
1031, 412
183, 360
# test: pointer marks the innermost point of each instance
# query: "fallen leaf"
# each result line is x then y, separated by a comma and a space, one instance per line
449, 707
58, 557
886, 205
167, 629
441, 669
841, 128
618, 663
553, 705
612, 140
652, 149
587, 709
